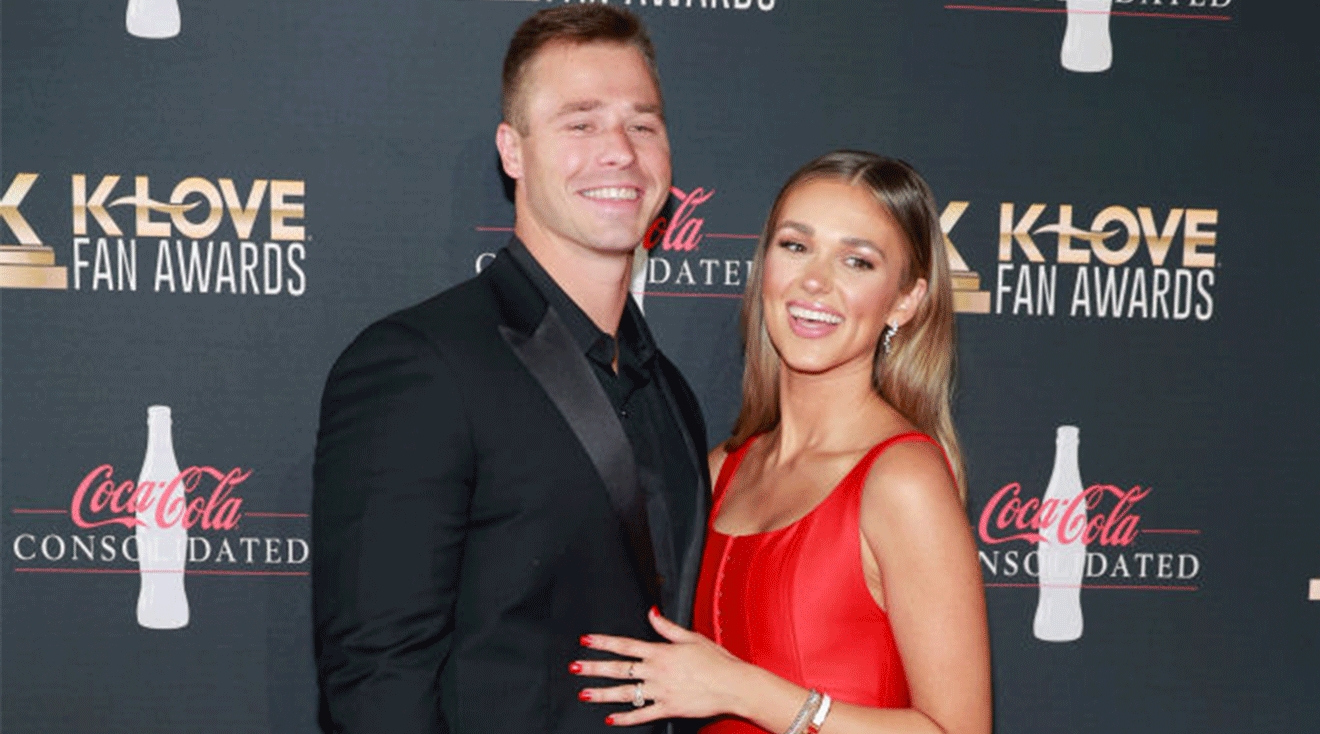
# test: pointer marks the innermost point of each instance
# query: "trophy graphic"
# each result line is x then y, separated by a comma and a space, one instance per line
153, 18
967, 294
1086, 44
29, 264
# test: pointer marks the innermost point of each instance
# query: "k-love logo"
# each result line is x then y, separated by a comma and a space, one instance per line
1086, 46
205, 236
679, 258
1075, 536
1116, 262
163, 526
765, 6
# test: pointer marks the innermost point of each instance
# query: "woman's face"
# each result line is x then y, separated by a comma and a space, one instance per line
833, 277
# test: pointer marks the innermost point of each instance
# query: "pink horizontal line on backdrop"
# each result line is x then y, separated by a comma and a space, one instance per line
190, 572
718, 235
203, 572
276, 514
693, 295
1129, 13
1132, 587
245, 514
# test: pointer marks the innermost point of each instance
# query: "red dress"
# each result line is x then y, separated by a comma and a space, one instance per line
794, 600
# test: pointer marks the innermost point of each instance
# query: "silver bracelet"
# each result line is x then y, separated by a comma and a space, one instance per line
821, 712
805, 714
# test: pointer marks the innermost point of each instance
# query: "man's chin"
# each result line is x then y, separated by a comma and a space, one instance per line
622, 250
622, 242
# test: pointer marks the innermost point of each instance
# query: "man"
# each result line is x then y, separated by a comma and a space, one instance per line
512, 464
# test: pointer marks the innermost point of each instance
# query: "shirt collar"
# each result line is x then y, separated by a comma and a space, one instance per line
636, 344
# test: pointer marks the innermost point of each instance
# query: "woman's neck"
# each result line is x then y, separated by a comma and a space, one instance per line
826, 411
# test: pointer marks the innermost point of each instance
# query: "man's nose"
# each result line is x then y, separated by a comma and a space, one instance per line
617, 149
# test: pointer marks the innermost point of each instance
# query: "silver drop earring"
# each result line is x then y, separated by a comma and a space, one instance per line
890, 331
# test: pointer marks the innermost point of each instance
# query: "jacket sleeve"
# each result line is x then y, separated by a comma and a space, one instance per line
392, 481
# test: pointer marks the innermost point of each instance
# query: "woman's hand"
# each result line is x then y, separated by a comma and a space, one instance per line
689, 676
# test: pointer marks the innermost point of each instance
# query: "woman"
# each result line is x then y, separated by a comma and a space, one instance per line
839, 588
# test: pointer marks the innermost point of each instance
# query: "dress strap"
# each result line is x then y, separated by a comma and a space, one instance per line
863, 467
727, 470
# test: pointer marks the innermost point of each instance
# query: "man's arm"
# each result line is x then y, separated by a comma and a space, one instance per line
391, 490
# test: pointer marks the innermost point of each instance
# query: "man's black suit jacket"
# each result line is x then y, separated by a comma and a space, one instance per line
470, 482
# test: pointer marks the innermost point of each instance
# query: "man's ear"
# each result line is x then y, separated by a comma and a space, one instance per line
509, 143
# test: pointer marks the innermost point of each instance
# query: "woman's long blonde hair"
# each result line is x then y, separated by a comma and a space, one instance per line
916, 377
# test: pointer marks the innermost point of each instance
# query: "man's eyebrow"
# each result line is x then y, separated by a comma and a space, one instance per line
650, 108
580, 105
587, 105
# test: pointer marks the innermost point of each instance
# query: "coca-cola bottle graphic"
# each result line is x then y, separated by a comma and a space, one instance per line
162, 551
1086, 44
152, 18
1061, 553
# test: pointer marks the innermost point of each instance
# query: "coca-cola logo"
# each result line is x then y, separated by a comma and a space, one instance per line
679, 266
1103, 521
1069, 536
190, 517
202, 503
99, 500
1008, 517
682, 231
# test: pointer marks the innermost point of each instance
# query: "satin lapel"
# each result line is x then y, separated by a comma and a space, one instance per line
689, 557
553, 358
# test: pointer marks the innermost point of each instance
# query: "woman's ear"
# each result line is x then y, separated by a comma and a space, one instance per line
906, 307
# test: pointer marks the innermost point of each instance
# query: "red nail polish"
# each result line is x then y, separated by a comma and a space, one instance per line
585, 641
655, 611
584, 695
575, 667
610, 720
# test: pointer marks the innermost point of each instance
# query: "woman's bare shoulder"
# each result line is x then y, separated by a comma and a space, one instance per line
911, 477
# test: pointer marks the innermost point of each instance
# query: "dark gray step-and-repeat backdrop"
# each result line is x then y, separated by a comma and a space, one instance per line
201, 221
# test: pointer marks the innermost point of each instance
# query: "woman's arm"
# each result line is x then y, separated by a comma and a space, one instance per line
916, 532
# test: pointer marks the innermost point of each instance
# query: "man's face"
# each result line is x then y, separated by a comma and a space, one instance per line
592, 166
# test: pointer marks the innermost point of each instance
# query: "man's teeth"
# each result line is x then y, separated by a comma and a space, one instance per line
808, 314
624, 193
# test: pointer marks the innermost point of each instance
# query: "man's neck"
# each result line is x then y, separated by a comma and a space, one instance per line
597, 282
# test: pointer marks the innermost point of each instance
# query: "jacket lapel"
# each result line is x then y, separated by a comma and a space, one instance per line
688, 511
554, 360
